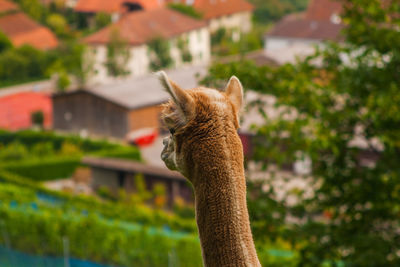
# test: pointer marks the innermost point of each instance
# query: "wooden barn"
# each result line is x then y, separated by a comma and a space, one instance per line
117, 109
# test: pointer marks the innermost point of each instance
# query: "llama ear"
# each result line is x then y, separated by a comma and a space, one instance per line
234, 91
182, 99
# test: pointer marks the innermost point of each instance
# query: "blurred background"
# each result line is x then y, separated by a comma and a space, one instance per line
81, 179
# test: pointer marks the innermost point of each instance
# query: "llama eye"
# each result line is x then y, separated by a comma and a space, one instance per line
171, 130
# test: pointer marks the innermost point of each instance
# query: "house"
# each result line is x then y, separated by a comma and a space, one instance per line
16, 110
118, 174
232, 15
297, 34
183, 34
21, 29
115, 8
115, 110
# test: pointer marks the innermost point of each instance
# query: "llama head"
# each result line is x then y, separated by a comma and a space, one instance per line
194, 116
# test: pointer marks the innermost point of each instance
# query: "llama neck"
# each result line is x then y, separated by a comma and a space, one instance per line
221, 210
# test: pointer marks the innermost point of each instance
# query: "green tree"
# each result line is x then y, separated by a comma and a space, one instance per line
185, 9
273, 10
102, 19
33, 8
353, 94
37, 118
57, 23
118, 55
63, 81
5, 43
160, 55
73, 58
182, 44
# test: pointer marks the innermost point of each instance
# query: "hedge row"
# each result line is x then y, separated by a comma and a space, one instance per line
95, 239
30, 138
114, 210
44, 170
25, 199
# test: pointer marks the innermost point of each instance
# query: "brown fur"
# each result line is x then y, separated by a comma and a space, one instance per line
206, 148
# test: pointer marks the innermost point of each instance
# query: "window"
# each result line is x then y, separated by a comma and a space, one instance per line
121, 179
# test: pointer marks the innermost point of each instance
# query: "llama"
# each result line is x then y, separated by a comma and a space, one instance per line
205, 147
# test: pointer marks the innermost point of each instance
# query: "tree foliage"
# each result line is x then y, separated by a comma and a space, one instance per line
102, 19
347, 100
5, 43
118, 55
160, 55
185, 9
273, 10
57, 23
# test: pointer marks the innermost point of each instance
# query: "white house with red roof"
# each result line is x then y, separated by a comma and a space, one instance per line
139, 28
21, 29
234, 15
115, 8
296, 34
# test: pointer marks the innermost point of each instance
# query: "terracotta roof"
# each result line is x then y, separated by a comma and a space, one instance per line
16, 109
142, 26
217, 8
23, 30
6, 6
316, 23
111, 6
323, 9
307, 29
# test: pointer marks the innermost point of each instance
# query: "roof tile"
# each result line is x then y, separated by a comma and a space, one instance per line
7, 6
143, 26
316, 23
108, 6
23, 30
217, 8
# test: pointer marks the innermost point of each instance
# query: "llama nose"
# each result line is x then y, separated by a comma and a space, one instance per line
165, 141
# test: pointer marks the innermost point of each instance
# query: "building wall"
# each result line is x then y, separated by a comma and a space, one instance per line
103, 177
276, 43
288, 50
238, 21
139, 62
148, 117
85, 113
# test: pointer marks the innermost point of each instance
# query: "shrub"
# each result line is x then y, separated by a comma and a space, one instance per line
187, 10
13, 151
57, 23
99, 147
102, 19
5, 43
44, 170
70, 149
63, 81
160, 55
37, 118
118, 55
45, 149
91, 237
114, 210
160, 198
